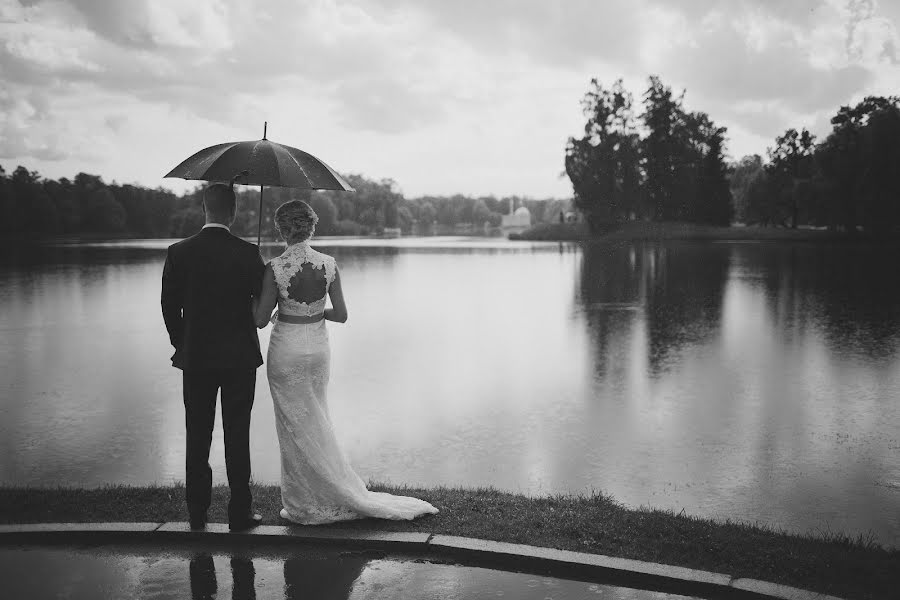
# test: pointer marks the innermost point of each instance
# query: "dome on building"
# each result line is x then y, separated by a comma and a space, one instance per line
519, 220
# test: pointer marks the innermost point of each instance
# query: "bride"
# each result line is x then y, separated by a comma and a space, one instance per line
317, 483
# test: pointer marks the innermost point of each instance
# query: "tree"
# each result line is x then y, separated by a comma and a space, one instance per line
373, 201
445, 213
43, 216
715, 206
103, 212
480, 212
790, 165
63, 197
603, 165
857, 162
758, 198
25, 187
663, 114
186, 221
427, 213
7, 204
677, 171
326, 212
739, 177
879, 186
405, 218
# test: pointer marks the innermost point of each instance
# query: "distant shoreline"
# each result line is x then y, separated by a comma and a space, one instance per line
829, 562
652, 231
114, 237
563, 232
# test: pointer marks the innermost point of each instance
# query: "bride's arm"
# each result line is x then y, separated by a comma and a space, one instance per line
268, 298
338, 312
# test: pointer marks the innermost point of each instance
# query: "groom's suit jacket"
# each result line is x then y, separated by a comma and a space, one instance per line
207, 285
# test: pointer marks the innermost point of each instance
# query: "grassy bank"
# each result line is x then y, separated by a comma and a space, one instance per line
640, 231
830, 563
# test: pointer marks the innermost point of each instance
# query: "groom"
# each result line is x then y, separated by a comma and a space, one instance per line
207, 285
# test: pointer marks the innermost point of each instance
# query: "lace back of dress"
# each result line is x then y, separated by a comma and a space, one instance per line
303, 276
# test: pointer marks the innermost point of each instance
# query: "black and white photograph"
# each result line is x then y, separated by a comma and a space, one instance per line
431, 299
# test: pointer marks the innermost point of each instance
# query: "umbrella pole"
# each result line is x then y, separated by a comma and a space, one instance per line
259, 226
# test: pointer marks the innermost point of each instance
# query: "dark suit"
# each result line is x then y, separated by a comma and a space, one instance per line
207, 285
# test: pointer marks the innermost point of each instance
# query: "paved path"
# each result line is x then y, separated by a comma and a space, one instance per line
143, 556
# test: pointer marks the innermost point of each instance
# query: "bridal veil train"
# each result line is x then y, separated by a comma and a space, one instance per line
318, 484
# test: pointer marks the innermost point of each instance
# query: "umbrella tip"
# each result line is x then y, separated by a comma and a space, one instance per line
265, 125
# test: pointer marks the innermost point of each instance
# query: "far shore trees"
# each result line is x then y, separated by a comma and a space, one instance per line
675, 171
33, 206
604, 164
846, 182
669, 164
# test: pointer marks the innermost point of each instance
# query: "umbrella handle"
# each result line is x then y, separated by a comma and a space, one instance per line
259, 226
244, 173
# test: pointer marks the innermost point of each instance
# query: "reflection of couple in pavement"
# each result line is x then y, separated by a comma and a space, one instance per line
203, 578
330, 579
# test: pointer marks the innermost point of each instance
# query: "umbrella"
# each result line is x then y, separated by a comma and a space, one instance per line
260, 162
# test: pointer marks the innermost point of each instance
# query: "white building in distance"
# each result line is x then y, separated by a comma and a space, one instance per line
518, 219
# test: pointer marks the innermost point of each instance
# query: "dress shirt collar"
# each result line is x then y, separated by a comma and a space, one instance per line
219, 225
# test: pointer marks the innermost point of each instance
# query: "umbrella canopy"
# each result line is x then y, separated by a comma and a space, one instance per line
260, 162
266, 163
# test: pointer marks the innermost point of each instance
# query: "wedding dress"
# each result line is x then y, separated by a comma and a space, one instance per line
317, 483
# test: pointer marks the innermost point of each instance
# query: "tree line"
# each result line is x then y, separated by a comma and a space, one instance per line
35, 206
665, 164
846, 182
669, 164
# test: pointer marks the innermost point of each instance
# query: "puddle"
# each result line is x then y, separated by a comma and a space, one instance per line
101, 572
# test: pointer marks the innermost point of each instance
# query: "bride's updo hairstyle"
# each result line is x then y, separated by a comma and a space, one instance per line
295, 221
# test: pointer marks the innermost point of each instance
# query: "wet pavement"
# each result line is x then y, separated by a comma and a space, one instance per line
238, 571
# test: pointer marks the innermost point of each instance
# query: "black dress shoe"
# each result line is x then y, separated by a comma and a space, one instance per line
245, 522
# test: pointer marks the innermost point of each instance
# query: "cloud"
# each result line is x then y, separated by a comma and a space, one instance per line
723, 65
765, 66
18, 114
499, 81
566, 34
384, 105
143, 24
871, 38
205, 58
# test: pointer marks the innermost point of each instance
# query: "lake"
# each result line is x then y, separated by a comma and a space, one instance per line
756, 382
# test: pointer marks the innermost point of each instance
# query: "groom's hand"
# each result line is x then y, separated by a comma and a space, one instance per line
172, 301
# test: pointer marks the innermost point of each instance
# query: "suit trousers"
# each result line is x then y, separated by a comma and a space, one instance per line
200, 389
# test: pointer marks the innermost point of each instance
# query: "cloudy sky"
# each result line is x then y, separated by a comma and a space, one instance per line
463, 96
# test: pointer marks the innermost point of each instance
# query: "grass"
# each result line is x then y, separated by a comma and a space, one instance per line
563, 232
636, 230
832, 563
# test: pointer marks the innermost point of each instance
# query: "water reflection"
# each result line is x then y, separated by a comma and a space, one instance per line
203, 577
843, 290
765, 373
302, 572
326, 579
673, 290
204, 586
